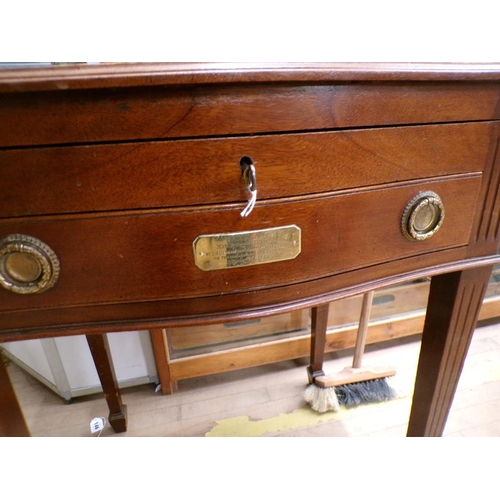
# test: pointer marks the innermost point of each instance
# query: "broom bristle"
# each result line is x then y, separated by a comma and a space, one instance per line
369, 391
322, 400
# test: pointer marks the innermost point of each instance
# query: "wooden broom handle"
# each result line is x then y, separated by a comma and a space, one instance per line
359, 349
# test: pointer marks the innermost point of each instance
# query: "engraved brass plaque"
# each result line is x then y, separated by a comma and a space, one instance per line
247, 248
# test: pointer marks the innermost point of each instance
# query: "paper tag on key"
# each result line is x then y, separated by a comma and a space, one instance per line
96, 425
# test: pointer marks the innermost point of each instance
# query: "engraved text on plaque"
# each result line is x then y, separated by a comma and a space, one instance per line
246, 248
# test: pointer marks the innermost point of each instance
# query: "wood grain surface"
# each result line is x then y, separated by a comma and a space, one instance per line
205, 171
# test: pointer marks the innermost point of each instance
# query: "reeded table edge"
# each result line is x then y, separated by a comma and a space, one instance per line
107, 75
248, 313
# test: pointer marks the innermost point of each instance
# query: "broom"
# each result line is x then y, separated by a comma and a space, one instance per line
353, 385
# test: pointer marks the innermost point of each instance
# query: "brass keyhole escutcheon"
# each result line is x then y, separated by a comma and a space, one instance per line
423, 216
27, 265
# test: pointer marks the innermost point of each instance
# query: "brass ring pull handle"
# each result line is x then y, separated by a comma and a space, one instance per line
249, 175
423, 216
27, 265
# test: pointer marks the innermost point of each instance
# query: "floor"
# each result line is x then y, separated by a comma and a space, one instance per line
268, 400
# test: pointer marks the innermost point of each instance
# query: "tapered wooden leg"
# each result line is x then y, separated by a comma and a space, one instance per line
99, 347
168, 386
319, 323
454, 303
12, 423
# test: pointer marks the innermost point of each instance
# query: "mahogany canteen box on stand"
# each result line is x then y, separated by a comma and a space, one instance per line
139, 196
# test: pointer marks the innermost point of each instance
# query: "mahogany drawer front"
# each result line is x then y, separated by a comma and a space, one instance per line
120, 316
113, 258
206, 171
85, 116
